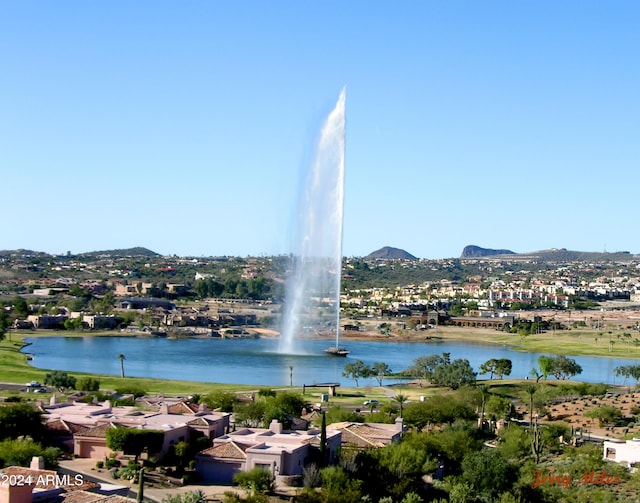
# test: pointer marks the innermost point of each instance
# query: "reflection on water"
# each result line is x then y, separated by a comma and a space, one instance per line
257, 361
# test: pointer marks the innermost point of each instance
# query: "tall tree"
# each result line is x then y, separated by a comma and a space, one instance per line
503, 367
323, 440
400, 399
380, 370
489, 367
356, 370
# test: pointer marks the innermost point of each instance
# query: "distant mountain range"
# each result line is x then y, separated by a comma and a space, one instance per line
390, 253
473, 251
137, 251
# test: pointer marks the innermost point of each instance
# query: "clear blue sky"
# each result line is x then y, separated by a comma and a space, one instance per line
185, 127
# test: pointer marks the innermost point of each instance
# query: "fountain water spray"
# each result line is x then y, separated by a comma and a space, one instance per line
312, 297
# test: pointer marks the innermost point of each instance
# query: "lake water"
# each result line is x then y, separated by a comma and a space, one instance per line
256, 361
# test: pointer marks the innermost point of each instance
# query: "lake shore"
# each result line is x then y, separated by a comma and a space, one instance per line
574, 342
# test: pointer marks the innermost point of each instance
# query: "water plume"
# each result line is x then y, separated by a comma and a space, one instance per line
312, 296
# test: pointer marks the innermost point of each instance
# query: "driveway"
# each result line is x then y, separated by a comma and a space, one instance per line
87, 468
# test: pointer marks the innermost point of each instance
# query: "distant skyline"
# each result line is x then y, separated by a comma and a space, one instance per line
187, 128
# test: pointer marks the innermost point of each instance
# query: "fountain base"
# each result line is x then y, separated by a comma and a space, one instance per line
336, 351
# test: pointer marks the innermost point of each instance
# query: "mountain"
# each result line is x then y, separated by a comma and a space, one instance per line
472, 251
387, 252
564, 255
137, 251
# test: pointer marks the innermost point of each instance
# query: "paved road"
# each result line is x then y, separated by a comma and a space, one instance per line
87, 468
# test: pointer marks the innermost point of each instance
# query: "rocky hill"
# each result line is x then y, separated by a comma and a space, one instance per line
472, 251
387, 252
137, 251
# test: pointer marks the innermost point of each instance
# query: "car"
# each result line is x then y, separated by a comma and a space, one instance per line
33, 384
370, 402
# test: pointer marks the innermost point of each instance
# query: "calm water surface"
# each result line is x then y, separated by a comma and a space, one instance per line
256, 361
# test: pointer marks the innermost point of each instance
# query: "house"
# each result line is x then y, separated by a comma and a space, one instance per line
46, 321
37, 485
622, 451
84, 426
95, 321
365, 435
283, 453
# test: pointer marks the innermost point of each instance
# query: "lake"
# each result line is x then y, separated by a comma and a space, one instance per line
257, 361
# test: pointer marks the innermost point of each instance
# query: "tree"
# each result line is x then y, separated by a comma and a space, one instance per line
134, 442
400, 399
20, 307
222, 400
628, 371
605, 414
21, 450
455, 374
87, 384
489, 367
323, 440
546, 365
564, 368
380, 370
489, 473
61, 380
4, 323
504, 367
484, 391
20, 420
356, 370
121, 358
436, 410
425, 366
500, 367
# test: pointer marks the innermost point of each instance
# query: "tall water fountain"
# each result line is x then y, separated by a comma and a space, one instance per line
312, 297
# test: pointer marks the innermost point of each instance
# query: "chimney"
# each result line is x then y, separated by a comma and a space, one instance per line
37, 463
399, 425
275, 426
164, 408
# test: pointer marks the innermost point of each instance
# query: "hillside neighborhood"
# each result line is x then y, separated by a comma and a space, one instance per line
426, 440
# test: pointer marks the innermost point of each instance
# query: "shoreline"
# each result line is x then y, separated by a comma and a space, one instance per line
589, 343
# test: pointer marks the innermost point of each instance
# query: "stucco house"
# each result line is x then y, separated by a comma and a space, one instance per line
283, 453
622, 451
84, 426
365, 435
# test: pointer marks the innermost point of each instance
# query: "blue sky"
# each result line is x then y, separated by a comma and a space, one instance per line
186, 127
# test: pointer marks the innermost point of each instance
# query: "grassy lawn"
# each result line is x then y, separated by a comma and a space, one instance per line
607, 344
14, 368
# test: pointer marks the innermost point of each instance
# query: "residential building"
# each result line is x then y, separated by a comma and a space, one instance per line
283, 453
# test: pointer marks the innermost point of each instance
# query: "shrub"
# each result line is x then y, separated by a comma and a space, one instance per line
255, 481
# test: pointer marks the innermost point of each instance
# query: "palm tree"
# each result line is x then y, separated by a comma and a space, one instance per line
121, 357
484, 391
400, 399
